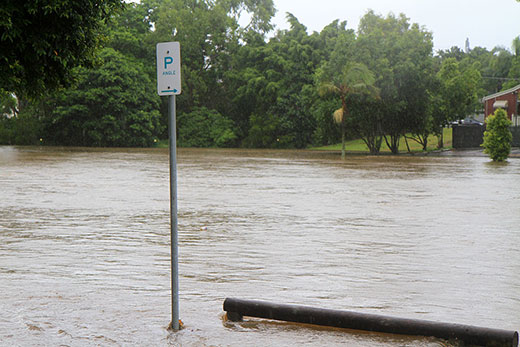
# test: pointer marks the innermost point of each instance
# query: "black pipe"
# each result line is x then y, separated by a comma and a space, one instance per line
237, 308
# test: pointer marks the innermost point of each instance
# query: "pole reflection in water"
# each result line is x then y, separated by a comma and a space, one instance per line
84, 244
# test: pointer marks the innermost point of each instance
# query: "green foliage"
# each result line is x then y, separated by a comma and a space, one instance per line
455, 93
514, 70
390, 60
400, 55
498, 137
205, 128
354, 78
239, 87
513, 74
5, 131
366, 120
459, 89
326, 130
41, 40
8, 104
22, 129
274, 80
260, 11
128, 31
112, 105
264, 132
360, 146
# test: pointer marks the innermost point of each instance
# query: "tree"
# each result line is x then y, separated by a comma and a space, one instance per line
212, 44
128, 32
274, 81
208, 39
400, 56
259, 11
42, 40
501, 64
113, 105
498, 137
457, 93
485, 62
515, 45
205, 128
422, 131
514, 71
355, 78
365, 119
263, 131
8, 104
454, 52
326, 131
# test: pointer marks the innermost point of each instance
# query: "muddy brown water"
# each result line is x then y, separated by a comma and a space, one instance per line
84, 244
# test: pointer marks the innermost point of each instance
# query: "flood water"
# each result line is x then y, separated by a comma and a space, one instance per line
85, 257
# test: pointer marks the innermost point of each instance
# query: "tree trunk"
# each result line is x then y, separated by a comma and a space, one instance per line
343, 137
343, 126
393, 144
407, 145
440, 144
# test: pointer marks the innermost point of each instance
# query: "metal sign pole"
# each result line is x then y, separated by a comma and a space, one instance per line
173, 213
168, 56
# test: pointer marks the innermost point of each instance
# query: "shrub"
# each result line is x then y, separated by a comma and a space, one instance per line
203, 127
498, 137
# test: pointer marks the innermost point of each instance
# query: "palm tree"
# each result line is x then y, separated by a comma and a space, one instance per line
355, 78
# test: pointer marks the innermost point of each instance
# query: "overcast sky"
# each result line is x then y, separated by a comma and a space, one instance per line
487, 23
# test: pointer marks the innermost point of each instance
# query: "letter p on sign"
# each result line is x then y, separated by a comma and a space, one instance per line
167, 61
168, 68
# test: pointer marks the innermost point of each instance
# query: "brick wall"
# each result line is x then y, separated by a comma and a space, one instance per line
511, 104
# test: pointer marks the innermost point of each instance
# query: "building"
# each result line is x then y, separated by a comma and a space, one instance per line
507, 100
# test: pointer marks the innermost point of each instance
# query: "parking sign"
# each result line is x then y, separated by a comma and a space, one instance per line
168, 68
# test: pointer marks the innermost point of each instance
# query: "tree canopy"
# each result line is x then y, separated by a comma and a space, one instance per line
41, 40
113, 105
244, 84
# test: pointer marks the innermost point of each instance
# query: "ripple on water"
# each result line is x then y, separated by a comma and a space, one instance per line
84, 244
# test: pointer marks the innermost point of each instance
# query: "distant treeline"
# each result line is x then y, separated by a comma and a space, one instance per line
243, 87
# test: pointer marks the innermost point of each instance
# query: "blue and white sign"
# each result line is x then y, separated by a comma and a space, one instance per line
168, 68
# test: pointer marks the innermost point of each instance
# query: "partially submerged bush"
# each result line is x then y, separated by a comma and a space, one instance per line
498, 137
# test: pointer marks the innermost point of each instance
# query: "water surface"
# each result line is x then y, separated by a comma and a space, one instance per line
84, 244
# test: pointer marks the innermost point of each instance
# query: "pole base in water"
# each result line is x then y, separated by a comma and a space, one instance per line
237, 308
176, 327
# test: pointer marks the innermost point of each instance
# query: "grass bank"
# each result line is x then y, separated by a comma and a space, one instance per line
359, 146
